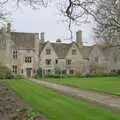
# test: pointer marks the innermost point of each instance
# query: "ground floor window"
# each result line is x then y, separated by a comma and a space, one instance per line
64, 71
14, 69
22, 71
48, 61
71, 72
49, 71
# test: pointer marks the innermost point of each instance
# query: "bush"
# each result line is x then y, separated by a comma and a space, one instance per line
9, 75
118, 72
18, 77
115, 72
5, 73
39, 73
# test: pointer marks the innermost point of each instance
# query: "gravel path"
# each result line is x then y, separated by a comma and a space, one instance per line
100, 98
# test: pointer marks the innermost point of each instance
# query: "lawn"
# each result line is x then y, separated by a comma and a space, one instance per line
109, 85
56, 106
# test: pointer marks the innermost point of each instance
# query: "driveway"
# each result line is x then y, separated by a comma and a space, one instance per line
100, 98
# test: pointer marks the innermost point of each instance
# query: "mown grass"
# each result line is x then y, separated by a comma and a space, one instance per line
109, 85
58, 107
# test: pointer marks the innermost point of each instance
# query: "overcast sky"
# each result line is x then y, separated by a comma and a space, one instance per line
49, 21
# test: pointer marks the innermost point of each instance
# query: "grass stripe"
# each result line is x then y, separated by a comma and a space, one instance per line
57, 107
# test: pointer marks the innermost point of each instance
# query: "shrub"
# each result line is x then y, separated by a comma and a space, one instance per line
115, 72
118, 72
18, 77
5, 73
39, 73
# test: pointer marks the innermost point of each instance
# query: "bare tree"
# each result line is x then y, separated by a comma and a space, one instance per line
3, 16
32, 3
76, 11
108, 27
106, 13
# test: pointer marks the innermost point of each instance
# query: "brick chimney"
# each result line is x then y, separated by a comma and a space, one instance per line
79, 38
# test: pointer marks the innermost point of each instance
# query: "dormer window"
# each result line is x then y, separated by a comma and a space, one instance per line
15, 54
74, 52
48, 51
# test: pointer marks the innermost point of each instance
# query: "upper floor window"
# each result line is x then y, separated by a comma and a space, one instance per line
48, 51
28, 59
2, 43
68, 62
74, 52
48, 61
22, 71
14, 69
15, 54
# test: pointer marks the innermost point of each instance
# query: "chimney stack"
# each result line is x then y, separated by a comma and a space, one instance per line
79, 38
42, 37
58, 40
36, 35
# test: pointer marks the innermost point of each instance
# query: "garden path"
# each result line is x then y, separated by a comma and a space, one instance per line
95, 97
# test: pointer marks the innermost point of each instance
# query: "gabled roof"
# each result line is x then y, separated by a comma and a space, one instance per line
61, 49
41, 47
85, 51
108, 50
23, 40
111, 50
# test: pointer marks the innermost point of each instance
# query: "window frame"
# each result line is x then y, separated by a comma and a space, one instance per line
28, 59
48, 61
14, 69
15, 54
74, 51
69, 62
56, 61
48, 51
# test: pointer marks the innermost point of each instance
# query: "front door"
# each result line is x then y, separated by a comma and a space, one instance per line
29, 72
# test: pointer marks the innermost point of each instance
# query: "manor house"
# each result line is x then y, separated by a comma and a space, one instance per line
24, 53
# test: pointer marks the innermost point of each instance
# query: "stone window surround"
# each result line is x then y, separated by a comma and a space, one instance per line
74, 51
48, 51
15, 54
48, 61
28, 59
14, 69
2, 42
68, 62
56, 61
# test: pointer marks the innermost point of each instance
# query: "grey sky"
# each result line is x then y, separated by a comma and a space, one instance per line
47, 20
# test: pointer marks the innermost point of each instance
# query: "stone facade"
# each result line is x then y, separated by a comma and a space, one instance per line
24, 53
